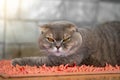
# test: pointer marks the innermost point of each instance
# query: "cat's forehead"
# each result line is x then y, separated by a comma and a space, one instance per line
58, 26
61, 26
58, 35
59, 29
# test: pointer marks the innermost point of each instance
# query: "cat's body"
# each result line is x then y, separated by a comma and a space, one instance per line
64, 43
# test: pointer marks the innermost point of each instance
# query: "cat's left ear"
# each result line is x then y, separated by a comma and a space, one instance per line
72, 28
44, 28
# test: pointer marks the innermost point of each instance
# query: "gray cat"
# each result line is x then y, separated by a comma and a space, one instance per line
64, 43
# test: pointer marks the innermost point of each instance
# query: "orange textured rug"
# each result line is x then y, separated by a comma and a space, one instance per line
8, 70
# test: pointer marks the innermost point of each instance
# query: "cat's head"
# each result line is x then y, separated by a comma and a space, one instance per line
59, 38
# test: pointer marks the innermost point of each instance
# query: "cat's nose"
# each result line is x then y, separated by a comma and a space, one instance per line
58, 44
57, 47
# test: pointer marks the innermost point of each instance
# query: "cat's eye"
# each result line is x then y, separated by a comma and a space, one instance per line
50, 39
66, 39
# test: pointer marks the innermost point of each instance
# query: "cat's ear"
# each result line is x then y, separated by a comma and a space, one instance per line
44, 28
72, 28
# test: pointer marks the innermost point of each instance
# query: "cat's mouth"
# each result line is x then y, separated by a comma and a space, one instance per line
57, 52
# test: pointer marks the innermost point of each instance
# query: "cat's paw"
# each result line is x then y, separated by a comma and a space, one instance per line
16, 61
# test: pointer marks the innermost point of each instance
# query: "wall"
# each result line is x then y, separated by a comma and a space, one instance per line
20, 20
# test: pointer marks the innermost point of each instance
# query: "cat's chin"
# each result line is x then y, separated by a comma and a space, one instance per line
59, 54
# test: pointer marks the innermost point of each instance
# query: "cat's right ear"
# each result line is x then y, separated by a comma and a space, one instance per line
44, 28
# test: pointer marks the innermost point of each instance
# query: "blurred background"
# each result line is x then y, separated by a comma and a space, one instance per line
20, 20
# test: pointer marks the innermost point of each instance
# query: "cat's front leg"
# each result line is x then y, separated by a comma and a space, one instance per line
47, 60
31, 61
38, 61
17, 61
